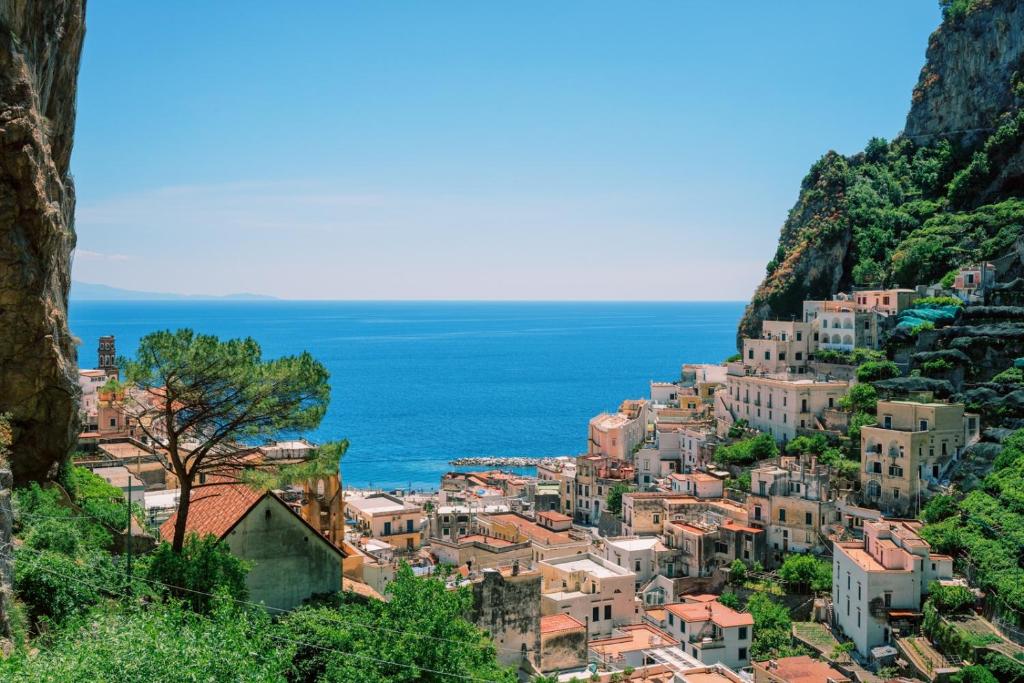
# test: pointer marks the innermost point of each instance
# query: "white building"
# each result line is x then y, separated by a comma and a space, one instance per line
710, 632
888, 571
590, 589
641, 555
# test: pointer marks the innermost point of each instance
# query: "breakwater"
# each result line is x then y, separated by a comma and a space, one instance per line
502, 461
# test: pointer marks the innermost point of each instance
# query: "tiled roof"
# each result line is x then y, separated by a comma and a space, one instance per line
716, 612
215, 510
554, 516
559, 622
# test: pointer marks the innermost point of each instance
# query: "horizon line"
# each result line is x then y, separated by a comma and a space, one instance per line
264, 299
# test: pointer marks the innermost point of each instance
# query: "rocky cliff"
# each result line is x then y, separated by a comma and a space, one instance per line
40, 45
946, 191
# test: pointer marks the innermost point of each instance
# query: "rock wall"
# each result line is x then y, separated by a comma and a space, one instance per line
968, 79
6, 561
40, 46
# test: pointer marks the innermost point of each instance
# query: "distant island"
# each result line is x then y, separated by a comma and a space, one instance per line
87, 291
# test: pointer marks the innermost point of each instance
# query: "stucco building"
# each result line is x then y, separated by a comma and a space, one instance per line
710, 632
888, 571
390, 519
590, 589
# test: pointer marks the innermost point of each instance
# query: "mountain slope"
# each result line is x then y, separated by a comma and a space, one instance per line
87, 291
947, 191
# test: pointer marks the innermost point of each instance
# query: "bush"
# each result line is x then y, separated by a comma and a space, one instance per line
950, 599
737, 571
805, 445
54, 586
936, 367
874, 371
939, 508
806, 571
747, 451
615, 497
861, 398
1012, 375
99, 499
730, 599
204, 568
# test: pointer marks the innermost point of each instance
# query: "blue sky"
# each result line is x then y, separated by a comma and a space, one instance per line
469, 150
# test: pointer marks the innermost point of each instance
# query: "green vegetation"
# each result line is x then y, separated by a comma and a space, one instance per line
733, 358
936, 302
986, 530
806, 445
730, 599
615, 497
953, 10
772, 629
936, 368
76, 618
216, 393
876, 370
939, 508
1012, 375
806, 572
738, 428
855, 357
950, 599
861, 398
747, 451
737, 571
742, 482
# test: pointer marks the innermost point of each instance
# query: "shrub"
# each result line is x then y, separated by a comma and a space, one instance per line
54, 586
861, 398
730, 599
877, 370
808, 571
747, 451
737, 571
205, 567
950, 599
939, 508
936, 302
936, 367
1012, 375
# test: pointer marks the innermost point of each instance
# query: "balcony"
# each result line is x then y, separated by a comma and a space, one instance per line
707, 642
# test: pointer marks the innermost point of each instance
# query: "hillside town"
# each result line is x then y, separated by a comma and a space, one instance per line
752, 520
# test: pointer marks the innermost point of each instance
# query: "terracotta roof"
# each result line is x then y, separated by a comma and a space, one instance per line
530, 529
215, 510
636, 637
554, 516
803, 669
486, 540
716, 612
554, 623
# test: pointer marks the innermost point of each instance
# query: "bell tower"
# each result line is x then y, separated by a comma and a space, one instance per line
107, 355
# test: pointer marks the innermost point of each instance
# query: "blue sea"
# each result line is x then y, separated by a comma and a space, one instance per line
417, 384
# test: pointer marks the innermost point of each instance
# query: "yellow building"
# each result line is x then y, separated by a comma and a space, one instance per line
910, 448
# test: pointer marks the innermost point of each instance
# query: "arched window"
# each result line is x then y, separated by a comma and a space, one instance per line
874, 489
847, 339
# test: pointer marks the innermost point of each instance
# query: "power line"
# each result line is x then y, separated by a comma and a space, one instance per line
277, 637
282, 610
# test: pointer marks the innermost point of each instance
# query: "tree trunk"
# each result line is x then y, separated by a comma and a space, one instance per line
181, 521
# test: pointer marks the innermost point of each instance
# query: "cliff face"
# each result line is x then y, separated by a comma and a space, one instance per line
904, 213
40, 46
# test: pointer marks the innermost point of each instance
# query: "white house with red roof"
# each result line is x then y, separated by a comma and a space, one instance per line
710, 632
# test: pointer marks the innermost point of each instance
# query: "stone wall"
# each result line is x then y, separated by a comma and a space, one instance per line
6, 560
508, 607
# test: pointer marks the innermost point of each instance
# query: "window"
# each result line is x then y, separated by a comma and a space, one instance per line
808, 518
760, 488
387, 528
876, 467
743, 653
408, 525
596, 614
743, 632
922, 425
895, 494
657, 518
799, 355
607, 612
750, 354
858, 617
803, 405
671, 619
782, 514
858, 591
782, 355
887, 598
757, 512
799, 336
831, 402
636, 566
887, 421
767, 355
895, 471
721, 547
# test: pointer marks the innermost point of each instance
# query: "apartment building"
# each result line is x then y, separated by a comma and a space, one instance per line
777, 404
782, 347
710, 632
710, 541
389, 519
596, 474
972, 281
841, 324
546, 542
615, 435
792, 501
644, 556
697, 443
885, 301
703, 378
910, 447
563, 472
697, 484
874, 579
590, 589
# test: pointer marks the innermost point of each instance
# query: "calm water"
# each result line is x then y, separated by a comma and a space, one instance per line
417, 384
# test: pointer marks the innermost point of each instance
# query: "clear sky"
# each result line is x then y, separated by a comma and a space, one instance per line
469, 150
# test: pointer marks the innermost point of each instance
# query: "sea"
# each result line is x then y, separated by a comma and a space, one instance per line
415, 385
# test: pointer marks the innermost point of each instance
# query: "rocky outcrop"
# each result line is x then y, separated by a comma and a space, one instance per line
40, 45
905, 212
969, 80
